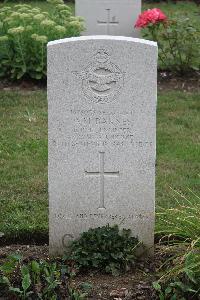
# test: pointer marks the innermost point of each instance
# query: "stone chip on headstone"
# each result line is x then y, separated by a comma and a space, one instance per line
111, 17
102, 136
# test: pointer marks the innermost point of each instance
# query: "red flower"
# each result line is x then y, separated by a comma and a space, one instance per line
150, 16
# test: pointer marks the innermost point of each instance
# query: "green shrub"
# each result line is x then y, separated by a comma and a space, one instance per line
178, 43
24, 33
181, 226
104, 248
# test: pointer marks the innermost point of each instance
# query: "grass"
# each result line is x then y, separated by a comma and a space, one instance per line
181, 8
180, 227
23, 157
178, 151
23, 164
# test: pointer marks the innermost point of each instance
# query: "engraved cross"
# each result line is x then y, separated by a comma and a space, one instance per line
102, 173
109, 21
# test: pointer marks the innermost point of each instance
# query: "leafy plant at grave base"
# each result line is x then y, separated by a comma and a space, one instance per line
37, 280
178, 40
104, 248
76, 295
181, 228
24, 33
176, 290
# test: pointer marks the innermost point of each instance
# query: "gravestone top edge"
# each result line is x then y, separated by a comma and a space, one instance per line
102, 37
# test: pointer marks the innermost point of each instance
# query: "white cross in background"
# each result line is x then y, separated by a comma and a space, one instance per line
101, 173
110, 21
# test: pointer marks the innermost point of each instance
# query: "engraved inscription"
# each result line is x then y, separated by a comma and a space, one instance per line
102, 80
119, 218
102, 173
109, 21
97, 127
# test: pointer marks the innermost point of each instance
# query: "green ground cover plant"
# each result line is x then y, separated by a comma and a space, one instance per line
34, 279
104, 248
23, 157
24, 34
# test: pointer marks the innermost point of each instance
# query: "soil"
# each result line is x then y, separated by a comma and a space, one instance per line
166, 81
135, 284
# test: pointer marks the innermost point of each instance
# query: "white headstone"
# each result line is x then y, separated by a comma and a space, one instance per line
102, 136
111, 17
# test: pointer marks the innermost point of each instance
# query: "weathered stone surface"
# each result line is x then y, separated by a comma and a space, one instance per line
102, 136
111, 17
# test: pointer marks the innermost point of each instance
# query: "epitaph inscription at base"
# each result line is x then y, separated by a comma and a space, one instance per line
102, 128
